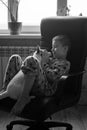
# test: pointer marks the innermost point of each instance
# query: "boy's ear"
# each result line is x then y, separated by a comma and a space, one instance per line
66, 48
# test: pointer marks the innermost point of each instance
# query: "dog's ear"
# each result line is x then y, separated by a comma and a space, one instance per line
38, 49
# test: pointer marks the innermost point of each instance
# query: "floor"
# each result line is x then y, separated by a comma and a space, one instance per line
76, 115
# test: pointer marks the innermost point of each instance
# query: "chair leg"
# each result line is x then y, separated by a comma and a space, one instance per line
38, 128
54, 124
39, 125
33, 125
20, 122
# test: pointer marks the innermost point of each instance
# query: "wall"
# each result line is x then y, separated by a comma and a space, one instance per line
61, 4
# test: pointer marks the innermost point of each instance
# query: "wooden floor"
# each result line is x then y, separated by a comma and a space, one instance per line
77, 116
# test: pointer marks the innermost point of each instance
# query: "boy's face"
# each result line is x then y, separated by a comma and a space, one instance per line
58, 50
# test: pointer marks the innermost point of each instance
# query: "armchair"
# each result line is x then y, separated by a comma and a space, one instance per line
70, 87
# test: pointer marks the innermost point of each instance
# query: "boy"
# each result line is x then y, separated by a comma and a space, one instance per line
40, 71
57, 65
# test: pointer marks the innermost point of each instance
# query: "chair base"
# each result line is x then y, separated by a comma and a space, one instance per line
33, 125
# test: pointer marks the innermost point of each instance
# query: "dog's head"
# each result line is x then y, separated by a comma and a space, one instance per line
41, 54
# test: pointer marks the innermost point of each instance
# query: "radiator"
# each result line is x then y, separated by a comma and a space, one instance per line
7, 51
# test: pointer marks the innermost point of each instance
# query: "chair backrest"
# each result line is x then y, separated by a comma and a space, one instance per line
76, 29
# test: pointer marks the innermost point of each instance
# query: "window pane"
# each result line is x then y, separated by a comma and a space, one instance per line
32, 11
3, 15
77, 7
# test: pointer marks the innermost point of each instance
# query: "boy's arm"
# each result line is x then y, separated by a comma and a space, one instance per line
58, 71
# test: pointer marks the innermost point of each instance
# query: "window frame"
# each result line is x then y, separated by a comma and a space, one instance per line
36, 29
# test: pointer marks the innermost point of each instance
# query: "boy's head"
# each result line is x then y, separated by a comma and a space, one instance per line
60, 46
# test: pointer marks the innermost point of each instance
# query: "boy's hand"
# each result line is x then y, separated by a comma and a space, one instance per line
45, 57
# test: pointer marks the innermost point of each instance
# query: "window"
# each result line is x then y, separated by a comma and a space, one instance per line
34, 11
3, 15
78, 7
30, 13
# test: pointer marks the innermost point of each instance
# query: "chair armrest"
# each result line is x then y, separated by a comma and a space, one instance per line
61, 80
63, 77
69, 76
66, 84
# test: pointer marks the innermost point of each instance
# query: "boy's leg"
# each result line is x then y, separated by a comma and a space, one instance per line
12, 69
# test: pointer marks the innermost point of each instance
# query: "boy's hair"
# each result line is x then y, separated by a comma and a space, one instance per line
63, 39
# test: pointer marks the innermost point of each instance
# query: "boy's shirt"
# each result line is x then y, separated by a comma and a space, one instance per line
55, 68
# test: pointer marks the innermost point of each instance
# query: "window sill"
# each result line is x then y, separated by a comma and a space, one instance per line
20, 36
26, 32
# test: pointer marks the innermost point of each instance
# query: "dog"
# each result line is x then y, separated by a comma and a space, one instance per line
16, 85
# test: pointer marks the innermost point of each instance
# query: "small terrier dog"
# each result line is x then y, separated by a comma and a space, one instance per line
16, 85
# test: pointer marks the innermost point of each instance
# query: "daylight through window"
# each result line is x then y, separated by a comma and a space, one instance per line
78, 7
32, 11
